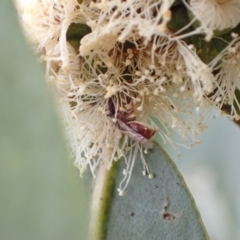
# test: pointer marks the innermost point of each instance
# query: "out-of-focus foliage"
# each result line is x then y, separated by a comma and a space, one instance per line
211, 171
40, 190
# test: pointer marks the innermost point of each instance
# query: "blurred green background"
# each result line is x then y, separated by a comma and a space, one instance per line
212, 173
41, 194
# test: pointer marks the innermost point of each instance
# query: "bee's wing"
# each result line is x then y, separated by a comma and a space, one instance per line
125, 129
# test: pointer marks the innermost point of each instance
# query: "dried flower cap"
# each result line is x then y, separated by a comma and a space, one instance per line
216, 14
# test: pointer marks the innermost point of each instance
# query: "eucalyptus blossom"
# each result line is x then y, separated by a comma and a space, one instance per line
125, 75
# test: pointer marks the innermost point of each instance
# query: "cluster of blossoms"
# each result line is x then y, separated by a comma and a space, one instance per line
122, 72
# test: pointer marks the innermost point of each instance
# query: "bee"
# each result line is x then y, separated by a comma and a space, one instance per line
145, 131
126, 122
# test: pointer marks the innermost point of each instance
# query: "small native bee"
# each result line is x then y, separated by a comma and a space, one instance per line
126, 122
146, 132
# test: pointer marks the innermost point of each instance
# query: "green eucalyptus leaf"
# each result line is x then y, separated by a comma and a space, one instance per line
177, 2
76, 32
179, 19
40, 190
207, 51
158, 208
